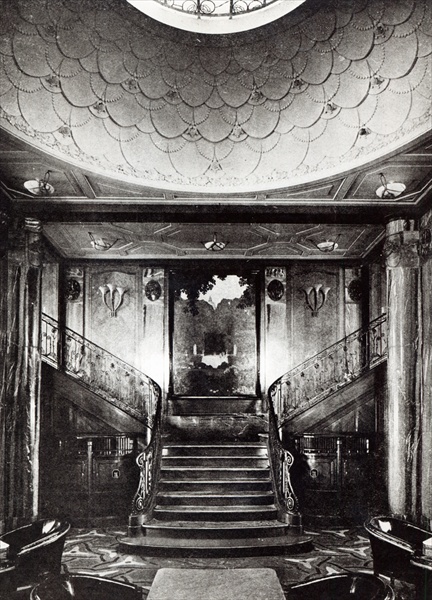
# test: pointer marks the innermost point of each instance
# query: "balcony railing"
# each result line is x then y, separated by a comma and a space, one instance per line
329, 370
103, 373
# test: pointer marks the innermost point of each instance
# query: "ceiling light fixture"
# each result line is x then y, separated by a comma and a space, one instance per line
327, 246
214, 245
389, 190
99, 243
40, 187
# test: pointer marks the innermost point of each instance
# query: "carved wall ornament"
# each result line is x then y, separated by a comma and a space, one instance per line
276, 273
112, 297
33, 225
402, 250
316, 297
425, 242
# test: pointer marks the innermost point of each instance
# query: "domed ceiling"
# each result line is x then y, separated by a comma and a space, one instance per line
330, 86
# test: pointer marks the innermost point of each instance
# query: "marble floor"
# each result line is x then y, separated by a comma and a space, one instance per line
334, 550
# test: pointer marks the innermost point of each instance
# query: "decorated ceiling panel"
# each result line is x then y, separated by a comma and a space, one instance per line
186, 240
331, 86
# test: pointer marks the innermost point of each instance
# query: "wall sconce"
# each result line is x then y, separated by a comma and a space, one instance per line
99, 243
40, 187
214, 245
316, 297
112, 297
389, 191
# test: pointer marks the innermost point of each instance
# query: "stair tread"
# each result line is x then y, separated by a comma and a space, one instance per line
216, 482
219, 445
155, 524
221, 543
213, 495
195, 468
292, 540
241, 508
215, 457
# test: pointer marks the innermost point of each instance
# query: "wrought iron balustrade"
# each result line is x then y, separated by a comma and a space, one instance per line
103, 373
281, 461
329, 370
149, 464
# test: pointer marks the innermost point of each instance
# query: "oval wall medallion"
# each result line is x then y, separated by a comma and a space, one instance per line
355, 290
153, 290
73, 289
275, 290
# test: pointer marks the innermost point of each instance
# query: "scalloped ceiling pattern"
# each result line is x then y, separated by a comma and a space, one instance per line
105, 87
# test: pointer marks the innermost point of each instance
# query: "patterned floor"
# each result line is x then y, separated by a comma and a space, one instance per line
335, 551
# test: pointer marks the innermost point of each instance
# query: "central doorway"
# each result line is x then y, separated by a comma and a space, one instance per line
214, 332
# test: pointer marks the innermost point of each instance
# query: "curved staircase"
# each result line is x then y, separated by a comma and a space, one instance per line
214, 498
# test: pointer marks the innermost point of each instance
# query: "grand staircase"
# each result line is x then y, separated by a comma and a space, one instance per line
208, 485
214, 498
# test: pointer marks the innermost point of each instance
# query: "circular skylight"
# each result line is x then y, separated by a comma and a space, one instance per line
216, 16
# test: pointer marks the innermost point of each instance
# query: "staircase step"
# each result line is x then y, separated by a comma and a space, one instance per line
228, 485
197, 473
215, 513
217, 546
211, 429
215, 529
225, 499
237, 450
215, 461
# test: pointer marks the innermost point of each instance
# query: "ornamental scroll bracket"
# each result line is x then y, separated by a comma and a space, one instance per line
316, 297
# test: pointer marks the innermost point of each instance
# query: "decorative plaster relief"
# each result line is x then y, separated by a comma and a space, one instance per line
268, 108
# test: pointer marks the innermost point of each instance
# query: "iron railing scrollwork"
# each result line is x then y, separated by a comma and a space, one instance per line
329, 370
281, 461
122, 385
102, 372
149, 464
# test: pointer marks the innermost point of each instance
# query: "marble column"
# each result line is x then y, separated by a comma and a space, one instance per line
402, 410
426, 379
3, 371
22, 420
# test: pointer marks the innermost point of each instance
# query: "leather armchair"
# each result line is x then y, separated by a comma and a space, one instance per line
36, 550
394, 542
348, 586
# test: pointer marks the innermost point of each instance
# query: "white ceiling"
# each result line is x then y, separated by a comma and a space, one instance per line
327, 88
